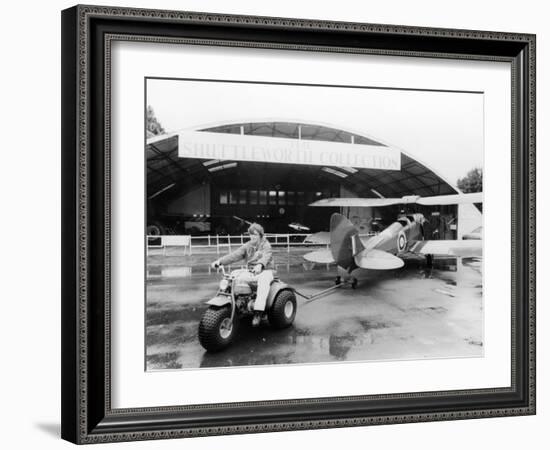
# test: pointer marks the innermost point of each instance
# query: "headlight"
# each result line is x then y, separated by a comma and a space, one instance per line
224, 284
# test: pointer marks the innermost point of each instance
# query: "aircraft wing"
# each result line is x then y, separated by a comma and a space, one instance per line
464, 248
359, 202
453, 199
323, 256
377, 260
322, 237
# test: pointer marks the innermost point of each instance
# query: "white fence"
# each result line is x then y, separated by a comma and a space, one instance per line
224, 243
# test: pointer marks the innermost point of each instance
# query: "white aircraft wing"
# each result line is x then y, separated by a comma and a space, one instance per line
465, 248
321, 237
377, 260
453, 199
357, 202
323, 256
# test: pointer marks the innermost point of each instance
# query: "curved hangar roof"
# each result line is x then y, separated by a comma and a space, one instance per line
166, 170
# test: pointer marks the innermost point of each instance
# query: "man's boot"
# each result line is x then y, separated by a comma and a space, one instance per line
257, 319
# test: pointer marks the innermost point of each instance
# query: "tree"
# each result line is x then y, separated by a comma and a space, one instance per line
153, 125
472, 182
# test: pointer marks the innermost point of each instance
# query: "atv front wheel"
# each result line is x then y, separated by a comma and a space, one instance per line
283, 311
216, 329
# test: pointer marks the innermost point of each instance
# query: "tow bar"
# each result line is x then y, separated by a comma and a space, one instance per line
313, 297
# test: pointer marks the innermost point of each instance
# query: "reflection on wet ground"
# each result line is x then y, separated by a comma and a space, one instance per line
410, 313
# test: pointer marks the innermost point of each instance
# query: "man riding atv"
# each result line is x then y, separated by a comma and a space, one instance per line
259, 259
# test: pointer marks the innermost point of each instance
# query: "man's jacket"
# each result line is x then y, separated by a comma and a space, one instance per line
260, 254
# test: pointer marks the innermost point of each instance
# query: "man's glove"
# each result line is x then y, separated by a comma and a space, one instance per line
257, 269
215, 264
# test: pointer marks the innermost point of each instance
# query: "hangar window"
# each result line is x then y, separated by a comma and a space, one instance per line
272, 197
229, 129
253, 195
290, 200
282, 200
301, 198
263, 197
242, 197
223, 198
232, 197
334, 172
366, 141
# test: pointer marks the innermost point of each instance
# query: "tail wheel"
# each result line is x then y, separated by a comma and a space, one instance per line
283, 311
216, 329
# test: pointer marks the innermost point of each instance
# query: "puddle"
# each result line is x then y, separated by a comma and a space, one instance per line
391, 315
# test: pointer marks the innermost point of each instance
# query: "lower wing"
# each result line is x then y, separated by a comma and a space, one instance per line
377, 260
366, 259
321, 237
323, 256
463, 248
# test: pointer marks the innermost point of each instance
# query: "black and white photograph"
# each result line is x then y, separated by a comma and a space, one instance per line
280, 223
307, 224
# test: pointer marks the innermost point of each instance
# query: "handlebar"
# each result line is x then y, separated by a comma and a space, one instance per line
220, 267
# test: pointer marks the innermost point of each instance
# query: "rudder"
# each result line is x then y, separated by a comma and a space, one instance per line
344, 241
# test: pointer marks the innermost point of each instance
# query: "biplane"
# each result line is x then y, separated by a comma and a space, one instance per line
388, 250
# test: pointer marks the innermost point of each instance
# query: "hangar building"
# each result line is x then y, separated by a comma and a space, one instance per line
216, 196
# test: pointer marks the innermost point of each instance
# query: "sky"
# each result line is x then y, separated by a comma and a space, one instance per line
443, 130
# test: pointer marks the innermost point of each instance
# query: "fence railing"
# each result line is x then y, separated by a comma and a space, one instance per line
224, 243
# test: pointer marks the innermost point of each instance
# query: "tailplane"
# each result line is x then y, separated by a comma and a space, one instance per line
378, 260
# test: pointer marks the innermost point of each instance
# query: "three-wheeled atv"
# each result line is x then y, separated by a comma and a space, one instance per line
235, 301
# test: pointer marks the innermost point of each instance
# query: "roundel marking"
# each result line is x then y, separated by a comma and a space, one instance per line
401, 241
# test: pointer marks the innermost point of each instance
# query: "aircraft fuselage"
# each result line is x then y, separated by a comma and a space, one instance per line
395, 238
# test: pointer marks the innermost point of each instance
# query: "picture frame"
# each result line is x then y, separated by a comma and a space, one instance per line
88, 33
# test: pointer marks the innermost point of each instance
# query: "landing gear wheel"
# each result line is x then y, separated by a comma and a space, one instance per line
354, 283
155, 229
429, 261
338, 280
216, 329
283, 310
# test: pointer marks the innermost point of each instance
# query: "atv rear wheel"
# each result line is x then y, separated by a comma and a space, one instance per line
283, 310
216, 329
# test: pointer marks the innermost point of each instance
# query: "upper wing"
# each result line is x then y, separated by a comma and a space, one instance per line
453, 199
360, 202
464, 248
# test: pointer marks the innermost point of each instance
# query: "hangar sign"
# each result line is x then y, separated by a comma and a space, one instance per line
223, 146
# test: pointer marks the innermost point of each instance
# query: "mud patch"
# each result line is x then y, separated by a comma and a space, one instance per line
170, 315
171, 335
437, 309
163, 361
374, 325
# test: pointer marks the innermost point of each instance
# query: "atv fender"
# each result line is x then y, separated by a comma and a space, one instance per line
276, 287
219, 300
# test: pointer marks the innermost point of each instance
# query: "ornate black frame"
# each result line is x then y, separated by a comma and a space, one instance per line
87, 31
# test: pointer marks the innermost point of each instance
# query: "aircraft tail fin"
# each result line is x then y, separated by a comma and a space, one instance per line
344, 241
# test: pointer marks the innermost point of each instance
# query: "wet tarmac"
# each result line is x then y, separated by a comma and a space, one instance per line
410, 313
